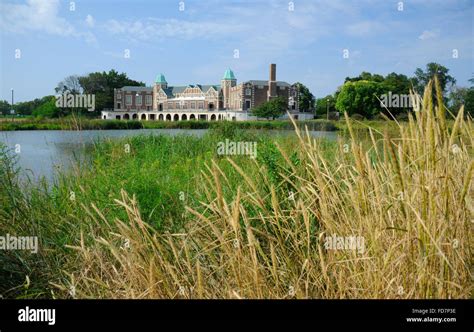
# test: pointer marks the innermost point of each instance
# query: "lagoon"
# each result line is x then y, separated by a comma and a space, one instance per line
41, 153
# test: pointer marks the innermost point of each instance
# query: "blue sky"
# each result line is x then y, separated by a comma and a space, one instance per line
197, 44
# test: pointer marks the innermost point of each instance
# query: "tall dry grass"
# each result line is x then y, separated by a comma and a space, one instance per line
409, 196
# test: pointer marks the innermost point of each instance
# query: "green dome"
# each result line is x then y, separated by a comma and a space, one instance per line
229, 75
160, 79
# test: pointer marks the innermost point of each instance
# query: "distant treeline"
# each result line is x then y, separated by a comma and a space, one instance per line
368, 95
363, 96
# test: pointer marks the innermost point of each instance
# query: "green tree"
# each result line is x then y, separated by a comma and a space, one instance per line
397, 83
48, 109
462, 96
4, 107
271, 109
422, 78
360, 97
306, 98
469, 101
365, 76
323, 103
102, 84
27, 107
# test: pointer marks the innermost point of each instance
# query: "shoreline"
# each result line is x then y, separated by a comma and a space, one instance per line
74, 124
98, 124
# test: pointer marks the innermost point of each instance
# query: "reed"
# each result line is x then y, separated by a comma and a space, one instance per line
409, 198
261, 228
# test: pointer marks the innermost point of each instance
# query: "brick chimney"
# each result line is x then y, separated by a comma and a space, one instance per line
272, 86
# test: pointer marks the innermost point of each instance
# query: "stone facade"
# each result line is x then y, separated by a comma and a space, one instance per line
201, 99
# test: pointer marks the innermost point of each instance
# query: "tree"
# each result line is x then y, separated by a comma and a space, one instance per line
27, 107
5, 107
70, 84
102, 84
422, 78
322, 105
360, 97
397, 83
365, 76
271, 109
48, 109
306, 98
462, 96
469, 102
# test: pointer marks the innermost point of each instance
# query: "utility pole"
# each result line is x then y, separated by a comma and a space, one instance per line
327, 109
12, 111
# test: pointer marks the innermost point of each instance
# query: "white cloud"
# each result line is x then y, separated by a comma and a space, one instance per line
429, 34
39, 16
90, 22
35, 15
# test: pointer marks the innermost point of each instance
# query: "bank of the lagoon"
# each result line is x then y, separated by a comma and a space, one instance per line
162, 216
168, 216
45, 152
81, 123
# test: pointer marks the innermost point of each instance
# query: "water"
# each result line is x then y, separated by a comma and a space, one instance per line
43, 152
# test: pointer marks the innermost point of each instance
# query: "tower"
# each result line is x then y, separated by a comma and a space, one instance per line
272, 84
227, 82
160, 83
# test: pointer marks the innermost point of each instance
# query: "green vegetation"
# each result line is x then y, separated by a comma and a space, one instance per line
325, 105
162, 172
48, 109
361, 95
102, 85
273, 108
422, 78
167, 217
81, 123
23, 108
358, 96
306, 98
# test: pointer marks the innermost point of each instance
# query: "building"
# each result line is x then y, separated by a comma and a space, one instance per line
226, 101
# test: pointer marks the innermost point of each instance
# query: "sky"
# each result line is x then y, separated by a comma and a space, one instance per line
195, 41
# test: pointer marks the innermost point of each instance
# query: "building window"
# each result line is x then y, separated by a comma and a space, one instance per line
260, 86
119, 95
248, 92
193, 105
170, 106
138, 100
247, 104
148, 99
128, 100
201, 105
